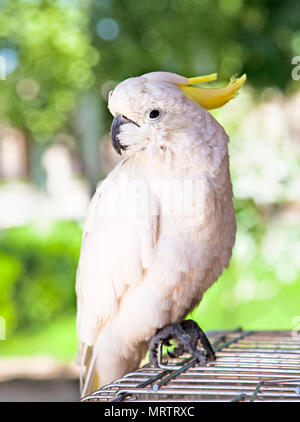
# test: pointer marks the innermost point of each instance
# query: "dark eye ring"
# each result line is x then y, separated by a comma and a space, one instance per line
154, 114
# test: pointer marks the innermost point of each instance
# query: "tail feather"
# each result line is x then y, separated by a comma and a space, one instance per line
99, 369
86, 359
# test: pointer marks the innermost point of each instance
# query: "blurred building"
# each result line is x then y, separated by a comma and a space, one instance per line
14, 162
66, 195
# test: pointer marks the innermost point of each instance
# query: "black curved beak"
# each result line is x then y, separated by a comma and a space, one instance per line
118, 121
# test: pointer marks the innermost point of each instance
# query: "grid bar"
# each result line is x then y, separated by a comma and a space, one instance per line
250, 366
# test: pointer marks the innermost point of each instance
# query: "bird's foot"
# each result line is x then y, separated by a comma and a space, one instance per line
187, 334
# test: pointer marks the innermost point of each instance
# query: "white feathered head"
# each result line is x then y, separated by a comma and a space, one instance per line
162, 111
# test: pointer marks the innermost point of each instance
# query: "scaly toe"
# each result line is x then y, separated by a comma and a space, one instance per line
201, 357
176, 352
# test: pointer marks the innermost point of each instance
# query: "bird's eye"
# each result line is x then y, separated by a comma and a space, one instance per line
154, 114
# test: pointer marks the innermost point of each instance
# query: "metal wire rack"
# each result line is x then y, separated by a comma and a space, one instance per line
250, 366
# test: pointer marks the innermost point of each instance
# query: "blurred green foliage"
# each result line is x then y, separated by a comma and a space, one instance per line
38, 267
50, 49
56, 338
37, 271
255, 292
192, 37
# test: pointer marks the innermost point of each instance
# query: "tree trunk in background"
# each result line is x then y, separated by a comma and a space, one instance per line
37, 170
89, 127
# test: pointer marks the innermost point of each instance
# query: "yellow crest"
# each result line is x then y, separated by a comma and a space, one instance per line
211, 98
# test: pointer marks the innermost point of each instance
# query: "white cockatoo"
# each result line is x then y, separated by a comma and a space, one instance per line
160, 228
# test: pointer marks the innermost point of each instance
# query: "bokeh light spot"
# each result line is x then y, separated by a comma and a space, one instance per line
107, 29
253, 19
28, 88
152, 40
295, 43
230, 7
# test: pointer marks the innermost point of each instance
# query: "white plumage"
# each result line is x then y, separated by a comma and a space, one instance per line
145, 263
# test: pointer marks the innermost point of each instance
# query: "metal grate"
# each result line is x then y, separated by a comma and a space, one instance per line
250, 366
